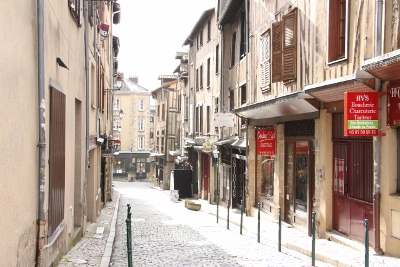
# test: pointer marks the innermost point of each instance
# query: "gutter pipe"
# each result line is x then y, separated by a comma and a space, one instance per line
248, 88
86, 39
42, 133
377, 143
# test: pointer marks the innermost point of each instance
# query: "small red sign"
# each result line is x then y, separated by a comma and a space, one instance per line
393, 104
266, 142
361, 114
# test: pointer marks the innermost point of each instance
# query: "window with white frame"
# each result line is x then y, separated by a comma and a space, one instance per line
141, 104
117, 104
265, 61
141, 124
140, 142
116, 123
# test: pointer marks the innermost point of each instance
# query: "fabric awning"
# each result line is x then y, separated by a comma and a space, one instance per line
175, 152
293, 106
225, 141
334, 89
239, 143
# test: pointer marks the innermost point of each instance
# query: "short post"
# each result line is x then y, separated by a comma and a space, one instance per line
217, 206
227, 221
313, 240
366, 242
241, 216
129, 236
279, 229
258, 226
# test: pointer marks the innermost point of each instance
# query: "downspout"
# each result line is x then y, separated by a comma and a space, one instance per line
248, 88
221, 90
87, 89
377, 143
166, 142
42, 133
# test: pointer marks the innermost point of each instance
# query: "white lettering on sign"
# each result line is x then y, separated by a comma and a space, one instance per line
395, 92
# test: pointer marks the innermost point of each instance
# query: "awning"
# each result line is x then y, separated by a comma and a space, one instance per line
175, 152
239, 143
293, 106
385, 67
225, 141
334, 89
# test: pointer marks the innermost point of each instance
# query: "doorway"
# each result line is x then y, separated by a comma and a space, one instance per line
299, 183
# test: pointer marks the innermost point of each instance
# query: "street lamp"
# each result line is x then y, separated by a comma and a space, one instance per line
118, 83
121, 114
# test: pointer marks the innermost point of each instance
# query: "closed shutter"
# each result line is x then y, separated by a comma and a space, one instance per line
289, 46
276, 52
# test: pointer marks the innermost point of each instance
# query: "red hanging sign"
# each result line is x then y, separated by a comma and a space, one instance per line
393, 104
266, 142
361, 114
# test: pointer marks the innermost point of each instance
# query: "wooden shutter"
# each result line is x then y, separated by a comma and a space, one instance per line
265, 64
289, 42
276, 52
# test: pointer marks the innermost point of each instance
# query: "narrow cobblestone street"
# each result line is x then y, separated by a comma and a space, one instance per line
167, 234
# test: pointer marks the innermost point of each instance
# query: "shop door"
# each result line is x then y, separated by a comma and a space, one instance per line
206, 175
299, 185
238, 170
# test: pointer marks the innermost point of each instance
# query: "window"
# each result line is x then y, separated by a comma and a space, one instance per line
197, 118
201, 119
201, 76
197, 79
158, 112
284, 48
233, 45
243, 36
208, 119
243, 95
75, 7
151, 119
141, 124
163, 112
117, 104
208, 72
337, 32
151, 135
140, 142
116, 123
141, 104
186, 108
265, 62
201, 38
217, 59
216, 105
198, 42
209, 30
232, 99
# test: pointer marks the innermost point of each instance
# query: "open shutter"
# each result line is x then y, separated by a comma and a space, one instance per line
265, 64
289, 46
276, 52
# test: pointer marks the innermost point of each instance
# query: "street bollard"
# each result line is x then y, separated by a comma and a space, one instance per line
258, 226
279, 229
366, 243
217, 206
129, 240
129, 209
241, 216
313, 240
227, 221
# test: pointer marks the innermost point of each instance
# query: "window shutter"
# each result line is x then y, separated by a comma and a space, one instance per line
265, 64
289, 46
276, 52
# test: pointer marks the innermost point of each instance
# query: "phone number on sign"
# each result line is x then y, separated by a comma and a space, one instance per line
364, 132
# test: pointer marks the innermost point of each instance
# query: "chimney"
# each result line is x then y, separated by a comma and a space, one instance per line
134, 79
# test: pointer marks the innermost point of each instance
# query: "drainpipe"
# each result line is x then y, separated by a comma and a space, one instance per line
87, 89
377, 143
248, 88
221, 90
166, 156
42, 134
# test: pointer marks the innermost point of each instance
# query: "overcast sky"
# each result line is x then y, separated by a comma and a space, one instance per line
151, 32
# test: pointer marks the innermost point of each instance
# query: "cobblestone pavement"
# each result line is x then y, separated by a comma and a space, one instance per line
165, 233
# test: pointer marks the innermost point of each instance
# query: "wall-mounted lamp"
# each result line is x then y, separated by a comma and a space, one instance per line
121, 114
118, 83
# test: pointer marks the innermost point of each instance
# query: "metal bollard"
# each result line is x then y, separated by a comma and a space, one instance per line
258, 226
366, 242
313, 240
217, 206
241, 216
129, 240
279, 229
227, 221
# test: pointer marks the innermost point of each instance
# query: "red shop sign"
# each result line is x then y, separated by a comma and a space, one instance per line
361, 114
393, 104
266, 142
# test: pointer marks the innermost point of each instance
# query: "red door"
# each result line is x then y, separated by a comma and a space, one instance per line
352, 187
206, 175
